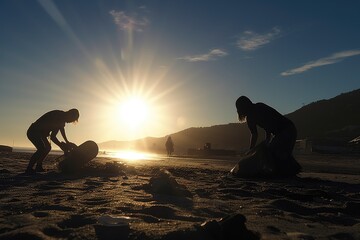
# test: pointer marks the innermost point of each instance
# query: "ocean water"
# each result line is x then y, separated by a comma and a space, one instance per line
116, 154
32, 150
128, 154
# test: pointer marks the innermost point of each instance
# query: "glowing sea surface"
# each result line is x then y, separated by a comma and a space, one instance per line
128, 155
116, 154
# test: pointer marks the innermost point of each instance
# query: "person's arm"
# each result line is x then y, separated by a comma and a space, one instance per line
253, 140
268, 137
54, 138
65, 146
254, 134
63, 134
69, 145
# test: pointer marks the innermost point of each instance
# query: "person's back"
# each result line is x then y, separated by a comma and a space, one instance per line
50, 121
280, 134
267, 118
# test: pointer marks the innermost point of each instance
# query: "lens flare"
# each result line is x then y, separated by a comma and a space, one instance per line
134, 111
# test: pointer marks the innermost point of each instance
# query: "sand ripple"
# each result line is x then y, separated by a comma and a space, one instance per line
176, 199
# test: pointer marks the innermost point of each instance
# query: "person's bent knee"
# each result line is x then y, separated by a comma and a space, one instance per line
47, 149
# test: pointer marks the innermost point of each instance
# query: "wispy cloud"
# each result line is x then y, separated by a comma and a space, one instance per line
126, 22
250, 40
211, 55
334, 58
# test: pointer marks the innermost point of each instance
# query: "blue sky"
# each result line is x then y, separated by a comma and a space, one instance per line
189, 60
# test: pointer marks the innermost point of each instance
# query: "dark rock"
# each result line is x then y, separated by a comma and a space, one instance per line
4, 148
233, 228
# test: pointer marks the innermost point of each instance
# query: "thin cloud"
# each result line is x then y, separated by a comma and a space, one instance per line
126, 22
334, 58
251, 40
211, 55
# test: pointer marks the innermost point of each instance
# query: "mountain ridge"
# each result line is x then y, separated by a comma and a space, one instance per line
337, 118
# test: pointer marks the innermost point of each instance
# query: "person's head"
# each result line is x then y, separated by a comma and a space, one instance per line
72, 115
243, 106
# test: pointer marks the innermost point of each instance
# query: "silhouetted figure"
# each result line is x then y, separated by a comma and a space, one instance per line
280, 134
47, 125
169, 146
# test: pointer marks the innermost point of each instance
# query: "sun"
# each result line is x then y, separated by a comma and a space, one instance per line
133, 111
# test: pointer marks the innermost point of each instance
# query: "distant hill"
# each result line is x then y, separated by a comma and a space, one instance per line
232, 136
337, 118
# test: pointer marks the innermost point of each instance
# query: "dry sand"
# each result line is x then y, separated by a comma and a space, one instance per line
169, 198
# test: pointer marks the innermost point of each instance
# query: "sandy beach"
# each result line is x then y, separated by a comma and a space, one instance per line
178, 198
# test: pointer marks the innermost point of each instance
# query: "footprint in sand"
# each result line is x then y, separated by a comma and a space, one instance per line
203, 193
159, 211
76, 221
48, 189
40, 214
333, 215
237, 192
24, 233
302, 197
95, 201
50, 185
57, 208
4, 171
289, 206
342, 236
44, 193
352, 208
90, 185
213, 213
337, 218
56, 232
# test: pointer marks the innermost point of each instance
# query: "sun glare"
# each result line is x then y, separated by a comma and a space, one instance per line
133, 97
131, 155
133, 111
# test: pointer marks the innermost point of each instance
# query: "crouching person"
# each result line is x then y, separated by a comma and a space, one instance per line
47, 125
280, 136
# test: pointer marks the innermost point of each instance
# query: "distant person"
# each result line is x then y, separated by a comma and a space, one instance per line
47, 125
280, 133
169, 146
